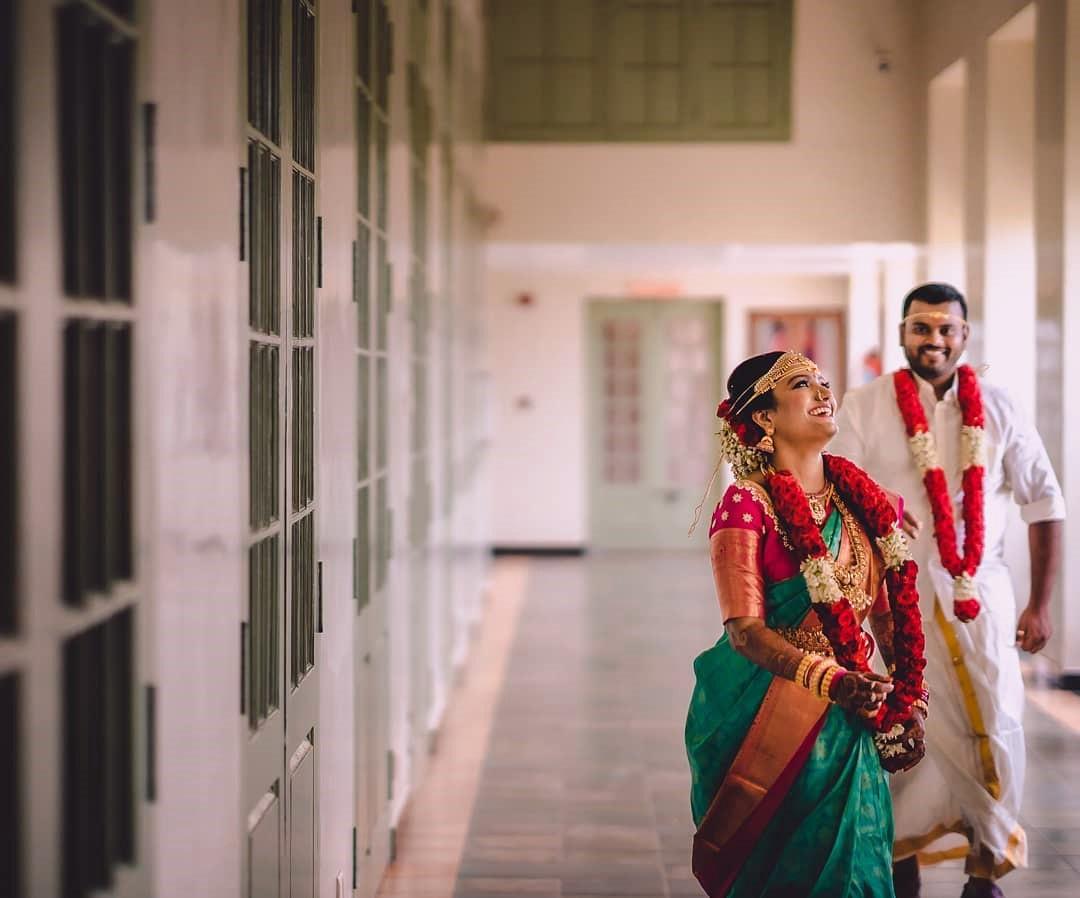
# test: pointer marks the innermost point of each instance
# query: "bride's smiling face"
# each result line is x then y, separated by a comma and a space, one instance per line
805, 410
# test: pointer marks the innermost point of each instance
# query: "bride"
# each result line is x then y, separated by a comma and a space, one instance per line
790, 733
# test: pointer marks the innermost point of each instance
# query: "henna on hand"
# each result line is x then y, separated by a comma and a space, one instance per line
860, 693
764, 647
915, 734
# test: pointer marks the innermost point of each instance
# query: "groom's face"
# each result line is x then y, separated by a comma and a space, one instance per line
933, 338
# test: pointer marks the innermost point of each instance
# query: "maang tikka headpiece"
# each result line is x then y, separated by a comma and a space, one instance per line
744, 458
789, 364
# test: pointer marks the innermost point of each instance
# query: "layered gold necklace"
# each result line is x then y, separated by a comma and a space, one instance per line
819, 503
851, 578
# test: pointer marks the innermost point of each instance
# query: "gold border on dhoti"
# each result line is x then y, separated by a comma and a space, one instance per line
971, 702
903, 848
982, 864
979, 863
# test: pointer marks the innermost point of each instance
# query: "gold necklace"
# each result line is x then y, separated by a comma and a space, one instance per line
851, 578
819, 504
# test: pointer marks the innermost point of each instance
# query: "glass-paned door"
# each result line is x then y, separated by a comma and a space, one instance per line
279, 645
654, 384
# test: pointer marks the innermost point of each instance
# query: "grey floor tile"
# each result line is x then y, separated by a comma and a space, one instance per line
585, 790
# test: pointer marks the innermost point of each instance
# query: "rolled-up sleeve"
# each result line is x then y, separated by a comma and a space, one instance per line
1029, 472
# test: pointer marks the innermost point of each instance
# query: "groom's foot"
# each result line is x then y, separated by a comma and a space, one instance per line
905, 877
979, 888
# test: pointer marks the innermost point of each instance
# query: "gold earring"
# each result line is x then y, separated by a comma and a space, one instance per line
765, 444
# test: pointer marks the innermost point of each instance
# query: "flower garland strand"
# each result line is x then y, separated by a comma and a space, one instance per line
737, 439
972, 462
841, 626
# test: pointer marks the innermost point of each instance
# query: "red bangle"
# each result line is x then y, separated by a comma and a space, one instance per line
837, 676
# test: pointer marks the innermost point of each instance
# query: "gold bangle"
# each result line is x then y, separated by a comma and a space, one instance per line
826, 681
800, 671
818, 675
811, 673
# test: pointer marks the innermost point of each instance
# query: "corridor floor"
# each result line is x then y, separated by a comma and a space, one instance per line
582, 790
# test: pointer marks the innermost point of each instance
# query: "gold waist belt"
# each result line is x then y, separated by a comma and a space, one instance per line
808, 640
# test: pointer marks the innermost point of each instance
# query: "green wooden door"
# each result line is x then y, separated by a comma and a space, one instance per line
653, 388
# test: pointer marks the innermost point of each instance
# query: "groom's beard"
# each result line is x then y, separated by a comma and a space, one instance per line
931, 365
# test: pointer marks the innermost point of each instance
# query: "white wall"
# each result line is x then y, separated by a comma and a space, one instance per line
848, 173
538, 353
756, 223
196, 376
945, 181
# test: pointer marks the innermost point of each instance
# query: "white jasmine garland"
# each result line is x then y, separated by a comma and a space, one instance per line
964, 587
743, 459
894, 548
923, 451
972, 447
821, 580
890, 744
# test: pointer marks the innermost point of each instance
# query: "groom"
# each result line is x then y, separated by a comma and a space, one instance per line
959, 452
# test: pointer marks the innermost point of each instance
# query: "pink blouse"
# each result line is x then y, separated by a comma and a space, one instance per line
750, 549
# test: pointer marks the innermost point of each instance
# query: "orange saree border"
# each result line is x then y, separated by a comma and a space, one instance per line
788, 719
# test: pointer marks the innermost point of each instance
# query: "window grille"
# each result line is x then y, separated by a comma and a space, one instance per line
98, 755
97, 457
95, 84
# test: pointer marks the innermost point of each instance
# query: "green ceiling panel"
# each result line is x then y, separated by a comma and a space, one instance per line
610, 70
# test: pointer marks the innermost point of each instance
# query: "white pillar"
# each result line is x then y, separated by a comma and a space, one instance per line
1010, 289
1070, 386
946, 172
901, 274
863, 310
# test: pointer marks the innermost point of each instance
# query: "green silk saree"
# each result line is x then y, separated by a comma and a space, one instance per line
823, 826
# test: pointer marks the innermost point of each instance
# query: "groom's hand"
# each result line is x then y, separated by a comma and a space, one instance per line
1033, 629
911, 525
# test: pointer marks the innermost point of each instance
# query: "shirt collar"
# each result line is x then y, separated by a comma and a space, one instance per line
926, 390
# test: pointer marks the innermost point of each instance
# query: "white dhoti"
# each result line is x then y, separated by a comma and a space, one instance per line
964, 799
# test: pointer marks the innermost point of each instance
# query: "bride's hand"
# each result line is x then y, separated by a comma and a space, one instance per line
860, 693
914, 740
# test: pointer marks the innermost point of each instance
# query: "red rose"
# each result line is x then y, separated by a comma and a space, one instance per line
970, 396
846, 619
872, 507
966, 609
971, 407
908, 598
907, 398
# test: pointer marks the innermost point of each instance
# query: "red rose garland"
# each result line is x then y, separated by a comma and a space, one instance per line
841, 626
924, 451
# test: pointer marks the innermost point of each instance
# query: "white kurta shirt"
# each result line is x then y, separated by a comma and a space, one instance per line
1018, 470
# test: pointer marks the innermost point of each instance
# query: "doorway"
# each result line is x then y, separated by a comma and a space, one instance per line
653, 388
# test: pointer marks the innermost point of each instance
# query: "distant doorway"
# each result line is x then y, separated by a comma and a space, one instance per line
653, 390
